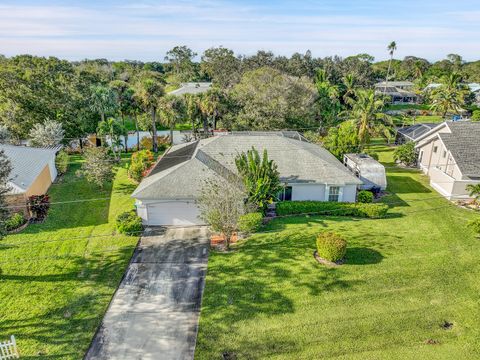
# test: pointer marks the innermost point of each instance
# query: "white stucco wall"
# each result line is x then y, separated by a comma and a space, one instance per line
308, 192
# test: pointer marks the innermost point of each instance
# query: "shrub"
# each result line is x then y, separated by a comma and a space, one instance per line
140, 163
146, 143
98, 167
373, 211
365, 196
61, 162
250, 223
331, 246
129, 223
38, 206
475, 225
476, 115
15, 221
406, 154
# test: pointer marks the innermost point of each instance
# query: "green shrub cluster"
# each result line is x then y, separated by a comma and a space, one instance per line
331, 246
129, 223
475, 225
141, 161
365, 196
250, 223
373, 211
61, 162
15, 221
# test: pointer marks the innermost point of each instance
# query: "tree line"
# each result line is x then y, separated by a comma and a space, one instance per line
258, 92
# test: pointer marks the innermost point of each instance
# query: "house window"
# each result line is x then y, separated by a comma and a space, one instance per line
334, 193
435, 148
285, 194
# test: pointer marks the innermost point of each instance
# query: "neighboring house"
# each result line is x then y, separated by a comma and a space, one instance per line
367, 169
400, 92
33, 171
413, 132
192, 88
307, 171
450, 155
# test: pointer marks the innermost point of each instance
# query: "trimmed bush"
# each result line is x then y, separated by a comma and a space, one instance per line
331, 247
250, 223
365, 196
475, 225
373, 211
15, 221
61, 162
129, 223
141, 161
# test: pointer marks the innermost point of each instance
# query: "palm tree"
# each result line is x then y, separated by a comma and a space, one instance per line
391, 49
102, 100
123, 95
349, 82
450, 97
192, 110
148, 90
172, 110
474, 192
113, 128
367, 114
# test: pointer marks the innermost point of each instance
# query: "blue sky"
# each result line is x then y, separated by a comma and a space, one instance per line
145, 30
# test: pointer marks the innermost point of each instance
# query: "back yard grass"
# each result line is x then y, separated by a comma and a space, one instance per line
409, 288
57, 278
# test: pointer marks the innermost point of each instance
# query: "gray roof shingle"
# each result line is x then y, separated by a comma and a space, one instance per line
297, 161
27, 164
464, 144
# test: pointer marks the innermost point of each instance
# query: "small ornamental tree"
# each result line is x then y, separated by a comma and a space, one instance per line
222, 203
38, 206
406, 154
48, 134
61, 162
260, 177
141, 161
97, 168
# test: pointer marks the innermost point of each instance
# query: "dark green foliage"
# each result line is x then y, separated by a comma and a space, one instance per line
129, 223
250, 223
373, 211
331, 247
365, 197
406, 154
38, 206
342, 139
61, 162
260, 177
474, 191
15, 221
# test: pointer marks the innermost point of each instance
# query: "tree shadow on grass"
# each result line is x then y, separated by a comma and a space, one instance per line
399, 184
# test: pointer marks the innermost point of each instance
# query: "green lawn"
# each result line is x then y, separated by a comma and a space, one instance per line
404, 277
57, 278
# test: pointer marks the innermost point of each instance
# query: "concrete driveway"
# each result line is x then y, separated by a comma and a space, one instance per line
154, 313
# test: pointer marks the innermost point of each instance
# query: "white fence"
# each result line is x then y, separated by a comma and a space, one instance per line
8, 349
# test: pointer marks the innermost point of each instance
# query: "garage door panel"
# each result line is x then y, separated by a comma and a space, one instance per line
173, 213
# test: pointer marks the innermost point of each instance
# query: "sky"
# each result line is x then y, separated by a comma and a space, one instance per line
146, 30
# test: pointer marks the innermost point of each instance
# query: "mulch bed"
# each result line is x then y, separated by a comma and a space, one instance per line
219, 239
327, 262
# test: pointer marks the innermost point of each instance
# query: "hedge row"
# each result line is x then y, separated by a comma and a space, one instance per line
372, 211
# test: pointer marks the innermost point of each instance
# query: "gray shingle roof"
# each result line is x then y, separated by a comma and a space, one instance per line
27, 164
297, 161
464, 144
191, 88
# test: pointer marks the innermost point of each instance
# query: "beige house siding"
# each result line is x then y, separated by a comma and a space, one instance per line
41, 183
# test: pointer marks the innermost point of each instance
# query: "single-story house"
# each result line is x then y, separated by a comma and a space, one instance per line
413, 132
33, 171
367, 169
450, 155
400, 92
192, 88
307, 171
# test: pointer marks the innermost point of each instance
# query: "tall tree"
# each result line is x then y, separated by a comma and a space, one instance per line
391, 49
450, 96
222, 67
180, 60
192, 111
114, 129
172, 110
148, 90
327, 100
102, 100
368, 116
123, 98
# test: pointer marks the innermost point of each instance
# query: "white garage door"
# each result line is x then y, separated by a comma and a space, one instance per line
173, 213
